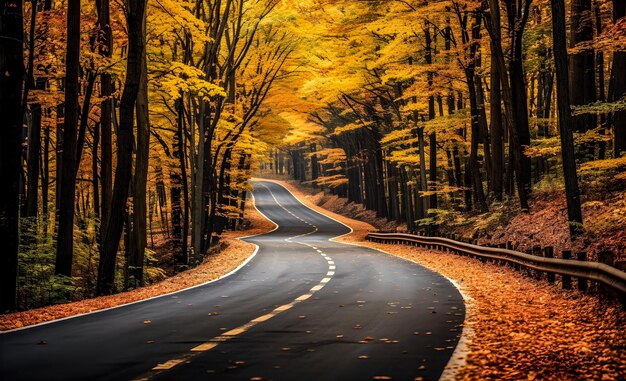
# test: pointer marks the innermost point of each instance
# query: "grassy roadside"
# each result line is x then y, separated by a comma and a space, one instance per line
520, 328
232, 253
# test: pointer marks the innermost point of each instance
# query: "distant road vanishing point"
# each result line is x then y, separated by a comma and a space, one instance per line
303, 308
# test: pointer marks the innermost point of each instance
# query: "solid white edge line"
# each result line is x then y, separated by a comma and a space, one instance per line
256, 249
459, 356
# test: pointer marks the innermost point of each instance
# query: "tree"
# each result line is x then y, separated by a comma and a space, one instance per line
140, 177
12, 67
582, 75
65, 237
496, 125
565, 119
114, 225
105, 44
514, 89
617, 87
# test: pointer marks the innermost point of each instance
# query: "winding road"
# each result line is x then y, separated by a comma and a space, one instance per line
303, 308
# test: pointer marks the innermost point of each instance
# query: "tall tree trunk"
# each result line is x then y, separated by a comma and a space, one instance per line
483, 127
520, 104
514, 92
12, 69
65, 240
140, 178
423, 204
496, 133
473, 167
314, 162
582, 79
432, 143
601, 76
94, 169
34, 155
45, 174
199, 199
106, 89
181, 211
34, 131
113, 231
618, 87
565, 120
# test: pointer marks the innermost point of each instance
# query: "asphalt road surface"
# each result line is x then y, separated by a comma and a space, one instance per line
304, 308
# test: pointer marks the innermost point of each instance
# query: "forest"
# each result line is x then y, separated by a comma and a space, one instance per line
131, 128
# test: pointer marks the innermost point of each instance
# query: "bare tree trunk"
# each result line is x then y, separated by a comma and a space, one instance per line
513, 92
94, 169
140, 178
12, 69
601, 76
58, 159
582, 64
432, 143
423, 201
198, 207
106, 89
496, 132
34, 155
565, 119
45, 174
113, 231
34, 130
65, 240
618, 87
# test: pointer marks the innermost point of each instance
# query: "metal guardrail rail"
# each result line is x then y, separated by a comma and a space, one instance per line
592, 271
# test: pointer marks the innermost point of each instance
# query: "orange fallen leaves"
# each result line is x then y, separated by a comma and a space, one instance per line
522, 328
233, 253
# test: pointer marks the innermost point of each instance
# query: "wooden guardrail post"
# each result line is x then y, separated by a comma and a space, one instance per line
509, 246
548, 252
536, 250
501, 262
608, 258
566, 280
582, 283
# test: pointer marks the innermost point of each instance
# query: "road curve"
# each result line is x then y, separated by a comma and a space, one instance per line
304, 308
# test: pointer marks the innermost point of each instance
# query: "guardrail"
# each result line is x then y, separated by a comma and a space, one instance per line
602, 273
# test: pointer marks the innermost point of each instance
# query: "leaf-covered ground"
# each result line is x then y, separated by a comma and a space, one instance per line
519, 328
233, 252
546, 225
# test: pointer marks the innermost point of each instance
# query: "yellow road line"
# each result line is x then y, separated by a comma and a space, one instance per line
159, 368
203, 347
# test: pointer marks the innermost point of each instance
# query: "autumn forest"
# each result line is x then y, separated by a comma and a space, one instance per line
130, 128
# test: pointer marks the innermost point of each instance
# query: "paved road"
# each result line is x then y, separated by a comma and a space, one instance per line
304, 308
